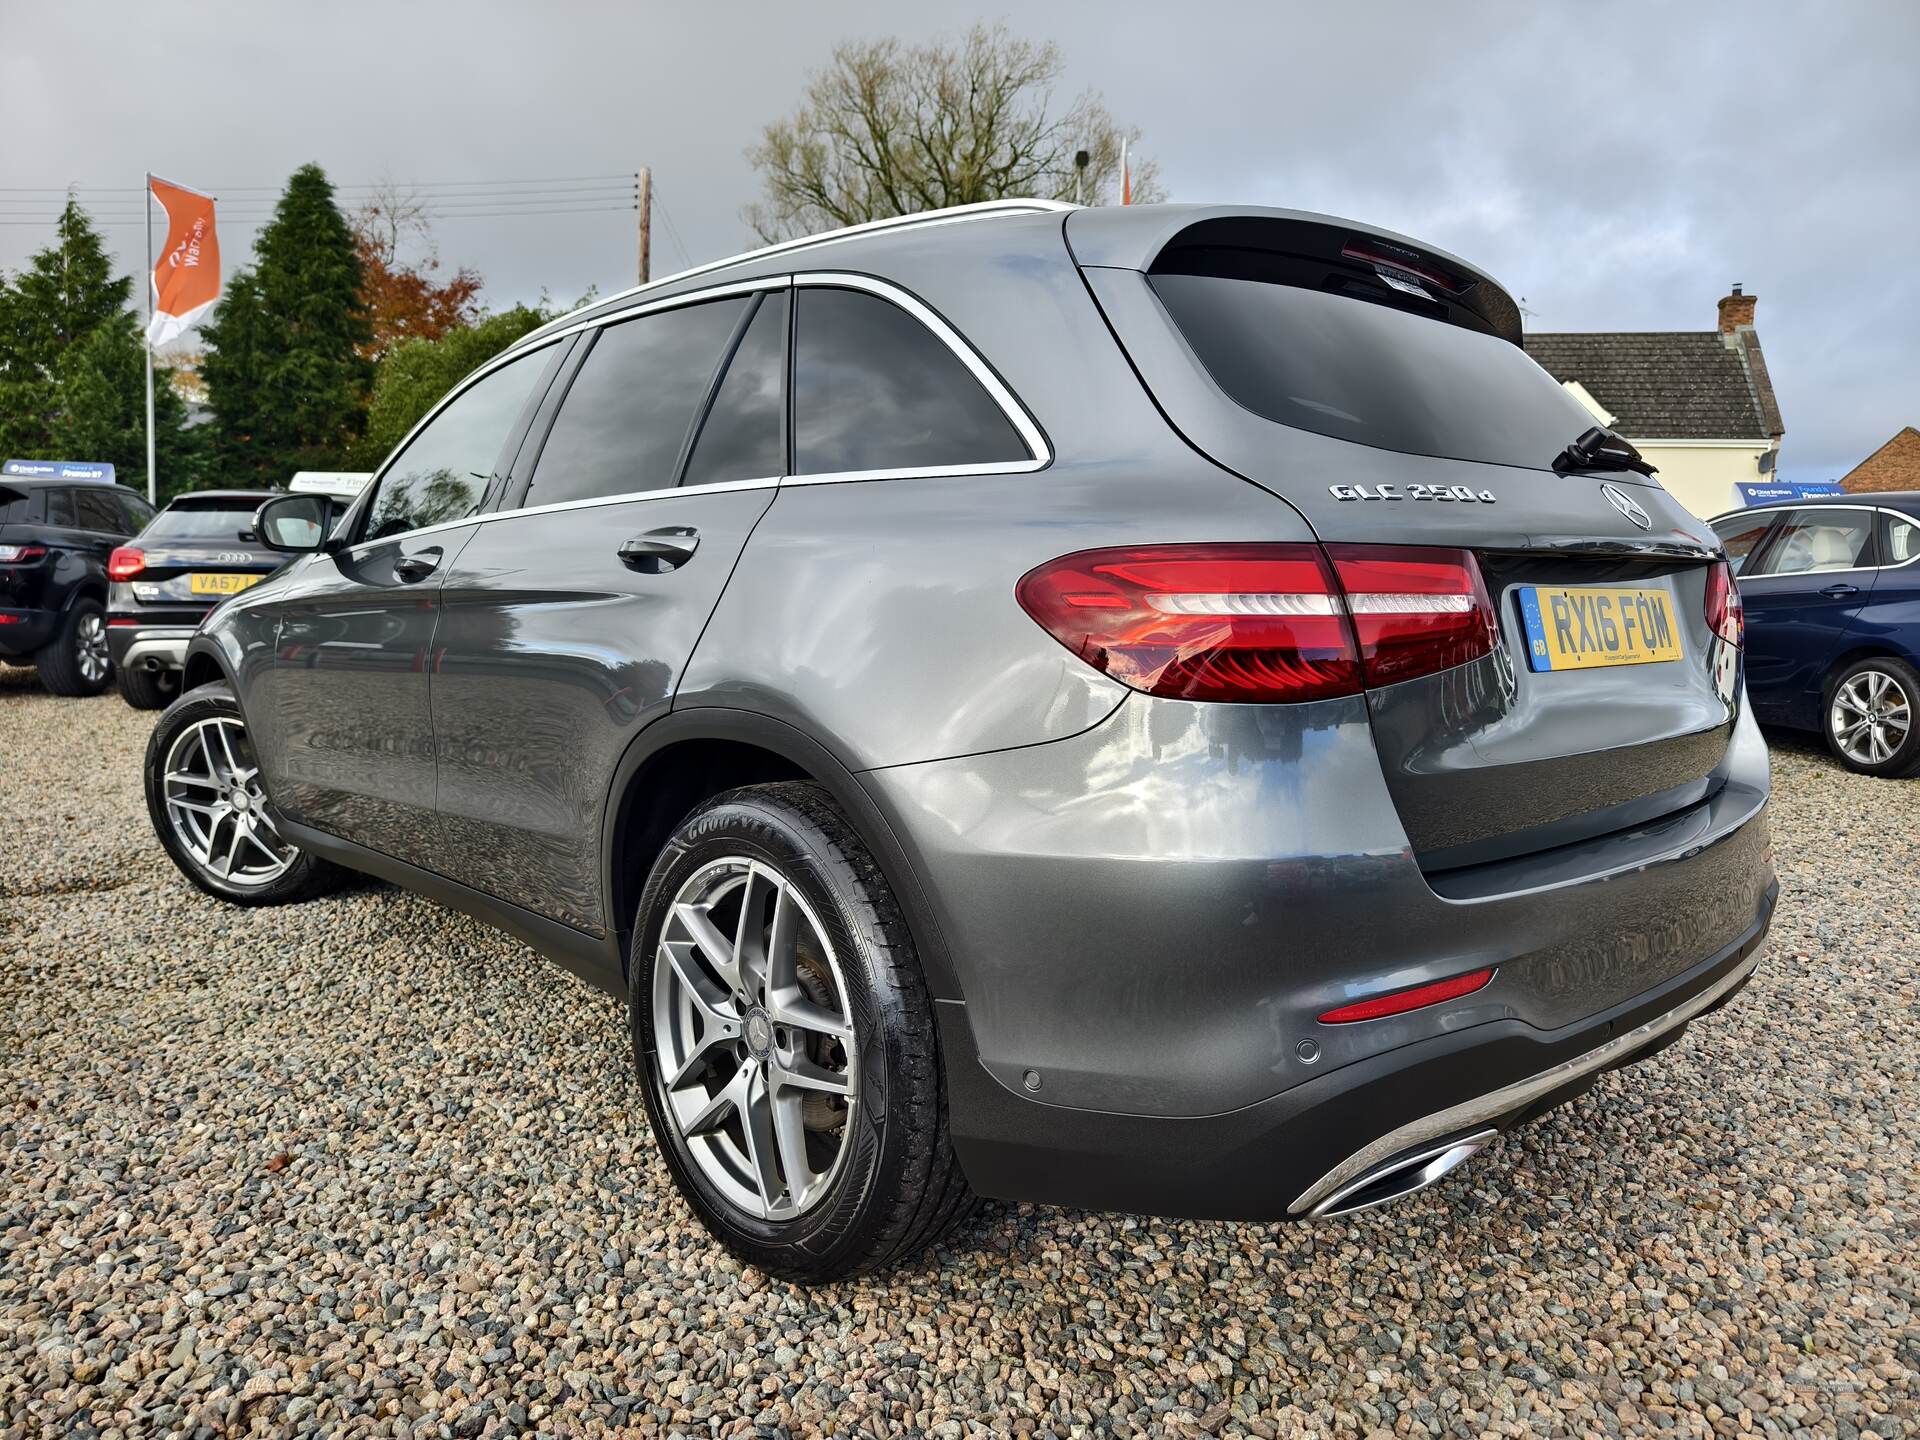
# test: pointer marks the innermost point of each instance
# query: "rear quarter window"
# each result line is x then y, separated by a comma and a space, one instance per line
1368, 372
874, 389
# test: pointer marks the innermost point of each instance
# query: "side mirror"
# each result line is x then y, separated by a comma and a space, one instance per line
296, 524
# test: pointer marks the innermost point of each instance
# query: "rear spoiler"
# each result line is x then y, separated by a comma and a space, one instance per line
1240, 239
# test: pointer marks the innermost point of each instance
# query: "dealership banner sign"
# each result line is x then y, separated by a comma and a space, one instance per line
186, 273
59, 469
1774, 494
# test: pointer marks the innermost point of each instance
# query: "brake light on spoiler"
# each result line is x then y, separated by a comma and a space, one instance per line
1264, 623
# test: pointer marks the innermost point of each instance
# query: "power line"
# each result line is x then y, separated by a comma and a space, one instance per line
673, 230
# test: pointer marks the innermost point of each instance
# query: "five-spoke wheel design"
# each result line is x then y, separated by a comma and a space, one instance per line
755, 1045
1870, 717
210, 784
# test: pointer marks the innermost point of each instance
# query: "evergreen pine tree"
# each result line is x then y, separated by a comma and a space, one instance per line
286, 381
230, 371
72, 371
64, 294
100, 393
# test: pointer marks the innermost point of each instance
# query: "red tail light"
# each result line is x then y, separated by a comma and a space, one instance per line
1416, 611
20, 554
1265, 623
1401, 1001
1726, 615
125, 563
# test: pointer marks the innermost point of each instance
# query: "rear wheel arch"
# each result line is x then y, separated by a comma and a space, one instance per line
203, 668
688, 757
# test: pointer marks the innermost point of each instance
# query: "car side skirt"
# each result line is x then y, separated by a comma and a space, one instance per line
594, 959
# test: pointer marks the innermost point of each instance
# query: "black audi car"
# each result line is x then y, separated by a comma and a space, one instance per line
200, 549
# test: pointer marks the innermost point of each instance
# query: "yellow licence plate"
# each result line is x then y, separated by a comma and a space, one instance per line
1586, 627
220, 584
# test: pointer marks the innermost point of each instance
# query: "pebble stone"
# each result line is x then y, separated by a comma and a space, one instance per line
365, 1167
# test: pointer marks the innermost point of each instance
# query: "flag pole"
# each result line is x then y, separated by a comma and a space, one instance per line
146, 341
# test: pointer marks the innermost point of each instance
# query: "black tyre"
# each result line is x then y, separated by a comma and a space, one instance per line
786, 1041
208, 808
76, 660
1872, 717
149, 689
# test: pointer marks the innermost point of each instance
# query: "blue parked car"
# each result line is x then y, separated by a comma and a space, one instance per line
1832, 596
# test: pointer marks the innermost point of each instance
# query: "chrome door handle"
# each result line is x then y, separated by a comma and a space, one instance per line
659, 551
410, 569
1836, 592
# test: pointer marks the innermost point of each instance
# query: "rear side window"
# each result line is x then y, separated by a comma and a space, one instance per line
744, 436
1902, 540
442, 473
1348, 367
873, 389
628, 410
1742, 534
16, 506
1819, 539
98, 513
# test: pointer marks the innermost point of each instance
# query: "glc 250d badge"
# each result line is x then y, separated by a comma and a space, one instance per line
1412, 492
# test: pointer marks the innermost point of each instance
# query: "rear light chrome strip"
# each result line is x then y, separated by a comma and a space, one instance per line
1473, 1114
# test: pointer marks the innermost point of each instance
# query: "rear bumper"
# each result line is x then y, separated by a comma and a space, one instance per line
24, 631
1146, 920
148, 647
1312, 1148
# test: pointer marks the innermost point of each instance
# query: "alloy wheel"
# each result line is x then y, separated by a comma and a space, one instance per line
755, 1051
1870, 717
211, 787
90, 639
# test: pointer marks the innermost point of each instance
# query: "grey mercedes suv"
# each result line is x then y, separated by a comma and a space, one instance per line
1162, 708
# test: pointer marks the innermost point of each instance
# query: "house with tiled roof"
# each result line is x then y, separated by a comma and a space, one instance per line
1894, 466
1697, 403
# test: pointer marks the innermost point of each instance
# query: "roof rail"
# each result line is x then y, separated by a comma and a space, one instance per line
984, 209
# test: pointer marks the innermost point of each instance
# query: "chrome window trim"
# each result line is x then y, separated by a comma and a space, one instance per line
507, 357
1788, 505
1009, 404
952, 214
1016, 414
672, 302
770, 482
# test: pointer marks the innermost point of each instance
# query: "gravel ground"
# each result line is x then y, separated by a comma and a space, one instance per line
365, 1166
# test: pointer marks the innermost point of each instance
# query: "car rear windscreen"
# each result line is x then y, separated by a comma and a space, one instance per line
1372, 372
202, 522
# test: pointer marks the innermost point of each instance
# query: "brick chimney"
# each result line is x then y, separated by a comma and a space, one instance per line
1736, 311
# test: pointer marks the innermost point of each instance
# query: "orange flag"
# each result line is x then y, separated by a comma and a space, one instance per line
186, 276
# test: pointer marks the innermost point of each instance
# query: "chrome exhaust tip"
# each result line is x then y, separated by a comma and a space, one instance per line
1403, 1175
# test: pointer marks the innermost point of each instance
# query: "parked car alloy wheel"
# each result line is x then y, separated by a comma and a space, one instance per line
786, 1040
77, 662
210, 809
1870, 718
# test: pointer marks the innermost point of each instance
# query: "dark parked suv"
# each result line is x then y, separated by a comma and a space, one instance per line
199, 549
1162, 708
55, 537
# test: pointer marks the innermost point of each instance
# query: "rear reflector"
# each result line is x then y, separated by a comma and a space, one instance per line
1263, 623
1726, 614
125, 563
1402, 1001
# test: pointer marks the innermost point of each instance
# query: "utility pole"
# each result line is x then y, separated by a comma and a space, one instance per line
643, 186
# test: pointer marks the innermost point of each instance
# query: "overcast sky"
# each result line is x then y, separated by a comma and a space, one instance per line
1618, 165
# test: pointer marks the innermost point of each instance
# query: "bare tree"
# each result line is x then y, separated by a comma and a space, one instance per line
891, 129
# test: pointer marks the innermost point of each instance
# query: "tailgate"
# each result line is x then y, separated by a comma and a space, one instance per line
1519, 751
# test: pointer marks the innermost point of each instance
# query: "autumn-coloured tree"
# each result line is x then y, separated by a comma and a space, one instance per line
404, 301
892, 129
